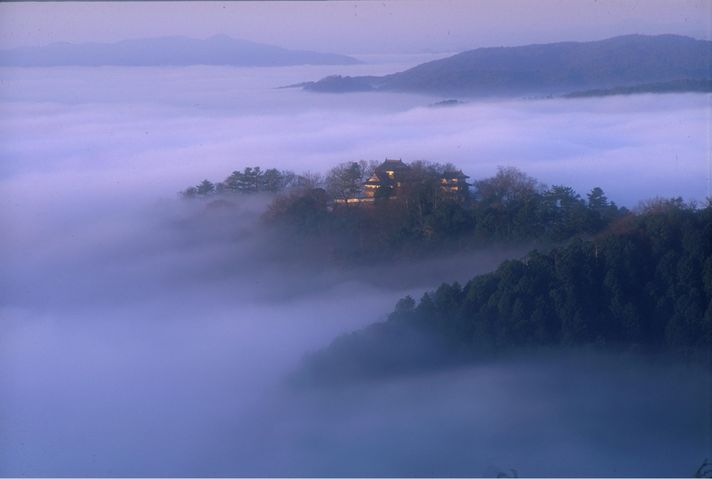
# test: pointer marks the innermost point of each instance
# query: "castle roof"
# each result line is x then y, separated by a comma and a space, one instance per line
454, 174
392, 165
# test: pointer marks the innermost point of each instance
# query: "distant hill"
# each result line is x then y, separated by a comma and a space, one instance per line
546, 69
674, 86
168, 51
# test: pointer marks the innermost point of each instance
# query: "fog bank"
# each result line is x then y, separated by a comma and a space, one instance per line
160, 129
145, 335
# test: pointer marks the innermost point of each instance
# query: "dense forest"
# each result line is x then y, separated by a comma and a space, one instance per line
420, 216
645, 285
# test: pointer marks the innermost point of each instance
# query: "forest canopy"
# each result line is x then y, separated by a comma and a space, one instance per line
645, 285
417, 209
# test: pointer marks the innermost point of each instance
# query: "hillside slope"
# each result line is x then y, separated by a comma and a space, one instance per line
545, 69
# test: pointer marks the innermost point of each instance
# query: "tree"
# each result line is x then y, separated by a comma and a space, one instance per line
189, 192
247, 181
303, 209
566, 210
508, 185
509, 206
405, 305
308, 181
346, 180
597, 200
205, 188
272, 180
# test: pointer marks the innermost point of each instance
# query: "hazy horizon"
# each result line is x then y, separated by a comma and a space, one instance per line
361, 27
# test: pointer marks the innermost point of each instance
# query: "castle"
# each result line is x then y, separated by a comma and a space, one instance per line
391, 175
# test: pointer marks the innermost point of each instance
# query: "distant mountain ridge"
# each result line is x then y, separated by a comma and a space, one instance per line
545, 69
168, 51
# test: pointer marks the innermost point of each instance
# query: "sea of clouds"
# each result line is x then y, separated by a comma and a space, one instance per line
143, 335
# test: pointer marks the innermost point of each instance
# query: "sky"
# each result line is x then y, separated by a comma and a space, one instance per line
356, 27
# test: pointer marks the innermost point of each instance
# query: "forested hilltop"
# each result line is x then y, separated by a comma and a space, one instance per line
644, 285
597, 275
361, 212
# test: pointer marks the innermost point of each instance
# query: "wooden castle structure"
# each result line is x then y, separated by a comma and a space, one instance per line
391, 175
